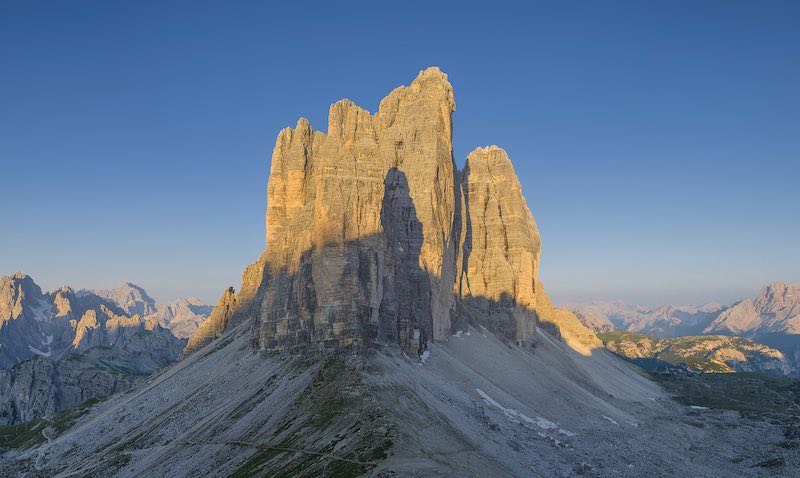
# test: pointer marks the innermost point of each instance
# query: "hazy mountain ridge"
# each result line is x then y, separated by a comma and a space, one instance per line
662, 321
182, 316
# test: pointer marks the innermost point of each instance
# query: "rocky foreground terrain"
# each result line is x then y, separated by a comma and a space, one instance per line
395, 326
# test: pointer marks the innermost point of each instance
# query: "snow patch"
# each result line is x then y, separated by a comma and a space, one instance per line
39, 352
546, 337
521, 418
611, 420
42, 312
424, 356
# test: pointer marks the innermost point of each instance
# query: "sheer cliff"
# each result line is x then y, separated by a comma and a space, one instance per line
374, 235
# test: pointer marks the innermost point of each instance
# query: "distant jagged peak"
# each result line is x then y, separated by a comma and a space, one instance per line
130, 297
20, 275
777, 291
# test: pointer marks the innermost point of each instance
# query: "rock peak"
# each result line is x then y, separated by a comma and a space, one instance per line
432, 73
374, 236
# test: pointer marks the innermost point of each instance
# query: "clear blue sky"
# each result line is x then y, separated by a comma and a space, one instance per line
658, 143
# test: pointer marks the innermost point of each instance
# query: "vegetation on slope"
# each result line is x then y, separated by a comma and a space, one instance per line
702, 353
34, 432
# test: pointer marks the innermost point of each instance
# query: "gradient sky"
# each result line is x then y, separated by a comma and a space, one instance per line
658, 143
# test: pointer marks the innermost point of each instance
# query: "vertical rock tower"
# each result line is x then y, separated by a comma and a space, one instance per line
500, 248
373, 235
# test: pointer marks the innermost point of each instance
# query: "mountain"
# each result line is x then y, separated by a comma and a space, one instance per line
664, 321
395, 325
60, 348
776, 310
773, 318
216, 323
129, 297
703, 353
181, 316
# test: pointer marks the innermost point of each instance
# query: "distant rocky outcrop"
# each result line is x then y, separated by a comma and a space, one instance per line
60, 348
373, 235
776, 310
703, 353
182, 316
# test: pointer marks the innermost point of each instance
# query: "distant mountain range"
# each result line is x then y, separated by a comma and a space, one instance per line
772, 319
60, 348
182, 316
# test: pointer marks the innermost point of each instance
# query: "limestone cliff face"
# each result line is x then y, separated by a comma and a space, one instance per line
216, 323
373, 235
368, 204
500, 247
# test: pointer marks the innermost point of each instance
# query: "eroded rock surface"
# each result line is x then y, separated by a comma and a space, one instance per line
360, 226
500, 248
373, 235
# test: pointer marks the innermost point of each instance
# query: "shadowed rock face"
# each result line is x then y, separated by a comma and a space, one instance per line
328, 190
372, 233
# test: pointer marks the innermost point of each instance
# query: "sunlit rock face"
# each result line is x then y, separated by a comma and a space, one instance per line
500, 247
216, 323
360, 225
373, 236
775, 310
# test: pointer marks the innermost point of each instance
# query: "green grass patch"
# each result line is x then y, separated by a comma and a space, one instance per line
30, 434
